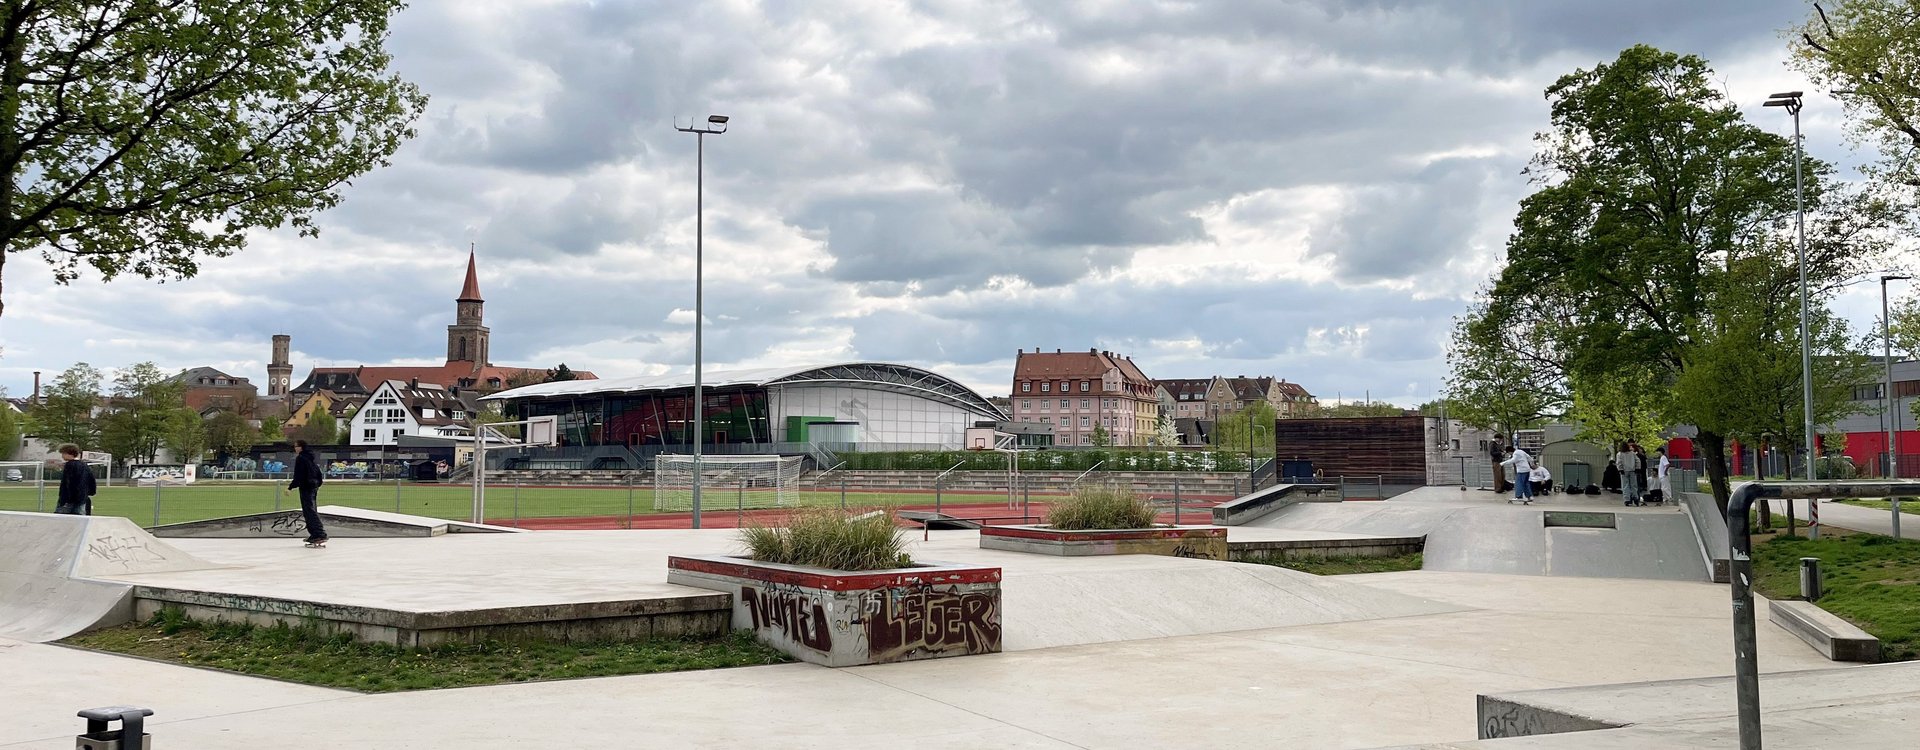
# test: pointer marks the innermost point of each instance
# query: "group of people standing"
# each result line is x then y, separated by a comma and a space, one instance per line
1626, 473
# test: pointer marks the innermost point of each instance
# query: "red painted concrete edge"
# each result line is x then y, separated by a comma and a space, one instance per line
836, 580
1122, 535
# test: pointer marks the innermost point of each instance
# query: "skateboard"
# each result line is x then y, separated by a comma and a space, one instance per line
322, 544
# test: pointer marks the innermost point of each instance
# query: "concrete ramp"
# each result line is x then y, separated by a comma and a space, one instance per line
47, 563
1130, 597
342, 522
1498, 540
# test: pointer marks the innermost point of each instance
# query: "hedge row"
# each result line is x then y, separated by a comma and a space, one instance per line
1106, 460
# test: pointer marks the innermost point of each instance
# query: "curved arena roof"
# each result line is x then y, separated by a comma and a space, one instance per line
878, 375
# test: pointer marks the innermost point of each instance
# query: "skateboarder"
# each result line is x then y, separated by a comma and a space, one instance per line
76, 484
307, 479
1522, 464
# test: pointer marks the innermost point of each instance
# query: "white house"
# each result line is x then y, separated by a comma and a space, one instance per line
408, 408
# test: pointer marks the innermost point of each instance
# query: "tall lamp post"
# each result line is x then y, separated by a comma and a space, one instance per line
715, 125
1791, 101
1893, 412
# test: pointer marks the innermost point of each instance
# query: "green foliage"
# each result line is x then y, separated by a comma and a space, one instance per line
1506, 370
229, 433
1867, 52
305, 654
1654, 249
1614, 406
270, 430
1050, 460
1349, 411
10, 432
829, 538
65, 413
1100, 437
146, 408
186, 436
141, 137
1101, 507
320, 429
1872, 581
1434, 408
560, 374
1249, 429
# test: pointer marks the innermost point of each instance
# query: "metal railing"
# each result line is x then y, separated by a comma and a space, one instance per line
1740, 537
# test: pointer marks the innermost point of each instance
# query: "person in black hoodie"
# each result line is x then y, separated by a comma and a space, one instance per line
307, 479
76, 484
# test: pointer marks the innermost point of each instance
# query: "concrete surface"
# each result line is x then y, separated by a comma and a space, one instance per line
341, 521
1356, 684
49, 565
1863, 519
1474, 531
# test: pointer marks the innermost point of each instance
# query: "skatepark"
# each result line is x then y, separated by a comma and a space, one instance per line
1573, 616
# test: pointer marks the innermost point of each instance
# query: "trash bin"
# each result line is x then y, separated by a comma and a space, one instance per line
1296, 469
130, 736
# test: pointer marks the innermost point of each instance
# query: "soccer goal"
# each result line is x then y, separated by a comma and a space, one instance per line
24, 485
726, 482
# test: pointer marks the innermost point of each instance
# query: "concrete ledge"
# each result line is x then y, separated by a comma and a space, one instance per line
342, 522
1201, 542
692, 614
840, 618
1505, 717
1257, 505
1837, 639
1297, 549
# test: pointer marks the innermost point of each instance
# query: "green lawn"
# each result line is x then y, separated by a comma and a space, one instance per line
1336, 566
1872, 581
306, 656
504, 502
1907, 505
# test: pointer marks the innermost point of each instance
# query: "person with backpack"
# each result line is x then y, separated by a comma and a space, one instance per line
307, 479
76, 484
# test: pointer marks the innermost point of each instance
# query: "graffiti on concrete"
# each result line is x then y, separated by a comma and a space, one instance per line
792, 613
1194, 551
1512, 722
287, 524
901, 622
124, 551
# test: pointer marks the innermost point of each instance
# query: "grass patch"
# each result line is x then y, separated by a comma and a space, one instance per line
1101, 507
305, 655
1339, 566
829, 538
1908, 505
204, 500
1872, 581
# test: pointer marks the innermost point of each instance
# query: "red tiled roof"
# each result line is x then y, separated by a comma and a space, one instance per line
1195, 387
1092, 364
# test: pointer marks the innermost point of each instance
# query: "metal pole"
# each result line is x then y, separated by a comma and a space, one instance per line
629, 501
1176, 501
936, 495
1746, 664
1893, 411
479, 461
843, 493
1800, 255
396, 494
740, 505
156, 501
699, 253
277, 488
516, 503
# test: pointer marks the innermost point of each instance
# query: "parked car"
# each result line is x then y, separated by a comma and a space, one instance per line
14, 475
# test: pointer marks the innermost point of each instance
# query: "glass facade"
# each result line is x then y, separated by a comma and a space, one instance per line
732, 416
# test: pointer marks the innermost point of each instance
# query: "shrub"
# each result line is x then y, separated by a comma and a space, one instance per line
1101, 507
829, 538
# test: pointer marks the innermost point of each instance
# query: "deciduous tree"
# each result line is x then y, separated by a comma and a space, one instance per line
141, 137
65, 412
144, 409
1867, 52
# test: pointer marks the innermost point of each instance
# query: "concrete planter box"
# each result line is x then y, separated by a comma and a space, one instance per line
1201, 542
839, 618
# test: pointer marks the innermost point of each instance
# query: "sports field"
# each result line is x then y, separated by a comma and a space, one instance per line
455, 502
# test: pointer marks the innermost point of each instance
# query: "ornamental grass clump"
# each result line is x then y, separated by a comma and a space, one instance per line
1101, 507
829, 538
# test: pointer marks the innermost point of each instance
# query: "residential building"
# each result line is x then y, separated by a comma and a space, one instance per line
1078, 391
409, 407
208, 391
340, 407
1198, 398
467, 366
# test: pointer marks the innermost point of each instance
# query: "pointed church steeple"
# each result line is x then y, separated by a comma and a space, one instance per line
471, 291
467, 337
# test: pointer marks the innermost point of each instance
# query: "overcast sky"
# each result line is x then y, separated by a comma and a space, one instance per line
1310, 190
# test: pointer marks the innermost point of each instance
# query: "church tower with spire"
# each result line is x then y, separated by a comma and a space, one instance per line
467, 337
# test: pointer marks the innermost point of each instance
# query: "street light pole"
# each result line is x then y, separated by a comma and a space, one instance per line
716, 124
1791, 101
1893, 412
